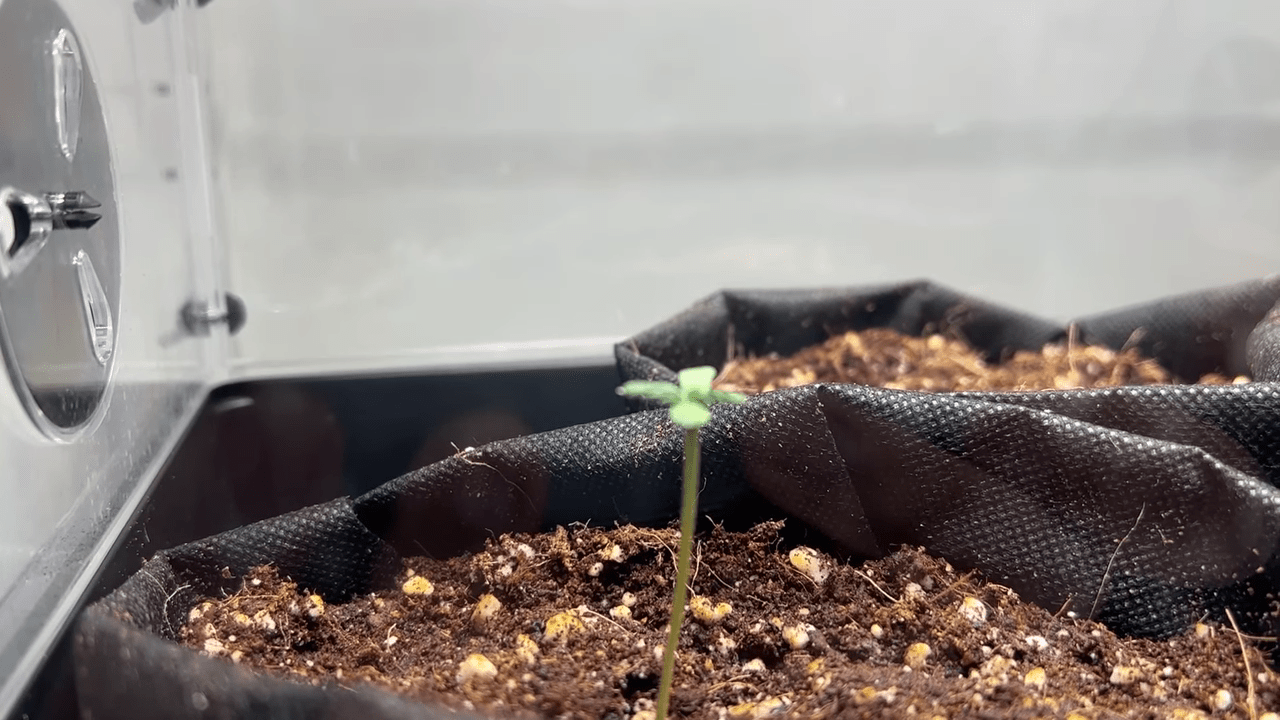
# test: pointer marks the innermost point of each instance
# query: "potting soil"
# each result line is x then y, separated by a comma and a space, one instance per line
886, 358
571, 624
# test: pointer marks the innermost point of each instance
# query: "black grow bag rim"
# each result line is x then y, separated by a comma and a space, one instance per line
661, 351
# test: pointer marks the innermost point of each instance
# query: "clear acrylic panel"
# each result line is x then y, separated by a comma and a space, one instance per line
448, 181
101, 377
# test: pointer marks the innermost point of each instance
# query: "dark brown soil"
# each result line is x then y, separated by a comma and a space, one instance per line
887, 358
571, 624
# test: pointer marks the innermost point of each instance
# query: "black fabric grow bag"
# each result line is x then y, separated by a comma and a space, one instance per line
1034, 489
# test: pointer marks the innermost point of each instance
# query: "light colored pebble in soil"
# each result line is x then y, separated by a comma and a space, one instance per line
868, 694
265, 622
1124, 675
199, 611
1035, 678
809, 562
476, 667
707, 613
797, 636
527, 649
486, 607
725, 645
767, 707
1037, 643
973, 610
315, 606
417, 585
916, 655
561, 625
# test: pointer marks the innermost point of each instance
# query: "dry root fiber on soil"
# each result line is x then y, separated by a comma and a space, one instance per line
886, 358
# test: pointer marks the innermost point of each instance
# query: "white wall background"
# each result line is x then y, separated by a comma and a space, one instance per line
437, 182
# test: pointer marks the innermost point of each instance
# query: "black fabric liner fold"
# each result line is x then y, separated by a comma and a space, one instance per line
1036, 490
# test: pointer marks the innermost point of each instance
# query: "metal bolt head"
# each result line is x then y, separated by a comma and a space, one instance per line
72, 210
26, 224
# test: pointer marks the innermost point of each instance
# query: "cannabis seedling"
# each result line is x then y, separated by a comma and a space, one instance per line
688, 400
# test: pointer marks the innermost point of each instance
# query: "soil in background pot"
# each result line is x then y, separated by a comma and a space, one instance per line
883, 357
571, 624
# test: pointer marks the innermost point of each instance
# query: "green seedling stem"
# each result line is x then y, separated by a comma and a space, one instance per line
689, 400
688, 516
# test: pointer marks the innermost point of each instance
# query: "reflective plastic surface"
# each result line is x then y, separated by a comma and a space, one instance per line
53, 139
68, 83
94, 319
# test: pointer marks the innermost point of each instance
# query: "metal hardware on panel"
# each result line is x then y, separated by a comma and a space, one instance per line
198, 317
25, 224
72, 210
27, 221
59, 228
148, 10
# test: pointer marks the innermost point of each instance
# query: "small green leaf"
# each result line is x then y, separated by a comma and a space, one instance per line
688, 400
696, 381
664, 392
728, 397
690, 415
